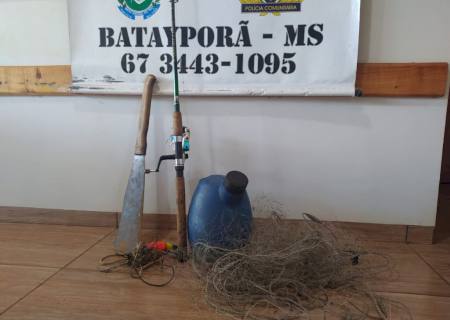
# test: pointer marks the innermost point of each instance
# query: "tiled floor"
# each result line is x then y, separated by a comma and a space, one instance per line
49, 273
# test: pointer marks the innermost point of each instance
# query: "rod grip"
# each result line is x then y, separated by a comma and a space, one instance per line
181, 214
144, 118
177, 124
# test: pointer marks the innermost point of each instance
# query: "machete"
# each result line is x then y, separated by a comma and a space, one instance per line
128, 236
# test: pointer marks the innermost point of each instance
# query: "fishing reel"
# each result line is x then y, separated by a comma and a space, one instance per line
185, 140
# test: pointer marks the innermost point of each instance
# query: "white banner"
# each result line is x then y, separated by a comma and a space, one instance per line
226, 47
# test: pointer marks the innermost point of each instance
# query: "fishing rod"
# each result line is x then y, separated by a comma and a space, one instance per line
177, 139
180, 139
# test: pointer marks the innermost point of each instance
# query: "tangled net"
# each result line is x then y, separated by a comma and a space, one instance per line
286, 271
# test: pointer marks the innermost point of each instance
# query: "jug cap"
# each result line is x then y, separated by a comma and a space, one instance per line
235, 182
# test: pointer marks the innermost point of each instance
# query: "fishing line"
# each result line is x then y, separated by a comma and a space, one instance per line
138, 262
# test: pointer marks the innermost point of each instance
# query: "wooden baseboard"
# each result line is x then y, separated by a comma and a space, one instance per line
360, 231
159, 221
79, 218
374, 232
420, 235
58, 217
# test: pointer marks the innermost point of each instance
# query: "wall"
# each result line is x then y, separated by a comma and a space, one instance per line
40, 39
367, 160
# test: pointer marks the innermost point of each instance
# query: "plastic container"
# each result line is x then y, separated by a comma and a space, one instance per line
220, 213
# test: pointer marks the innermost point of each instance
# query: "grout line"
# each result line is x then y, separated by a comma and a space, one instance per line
428, 264
117, 271
413, 294
96, 243
57, 272
28, 265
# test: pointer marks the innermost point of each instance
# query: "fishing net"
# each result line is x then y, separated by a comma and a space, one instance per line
303, 270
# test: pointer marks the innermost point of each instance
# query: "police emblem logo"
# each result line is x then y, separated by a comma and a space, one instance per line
135, 8
264, 7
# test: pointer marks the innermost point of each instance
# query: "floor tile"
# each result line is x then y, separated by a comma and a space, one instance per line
422, 307
17, 281
90, 295
409, 274
90, 259
437, 256
45, 245
81, 292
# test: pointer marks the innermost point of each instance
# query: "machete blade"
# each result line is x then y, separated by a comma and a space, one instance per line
130, 221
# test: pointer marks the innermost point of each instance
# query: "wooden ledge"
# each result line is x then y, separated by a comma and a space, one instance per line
35, 80
373, 80
402, 79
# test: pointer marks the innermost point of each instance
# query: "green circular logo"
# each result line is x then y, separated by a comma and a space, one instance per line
135, 8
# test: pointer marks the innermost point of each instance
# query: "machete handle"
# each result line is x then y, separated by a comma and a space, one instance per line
144, 118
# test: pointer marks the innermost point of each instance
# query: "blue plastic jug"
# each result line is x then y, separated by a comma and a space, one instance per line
220, 213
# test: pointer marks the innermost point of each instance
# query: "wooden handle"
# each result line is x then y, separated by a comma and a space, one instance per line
181, 195
177, 124
144, 118
181, 215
